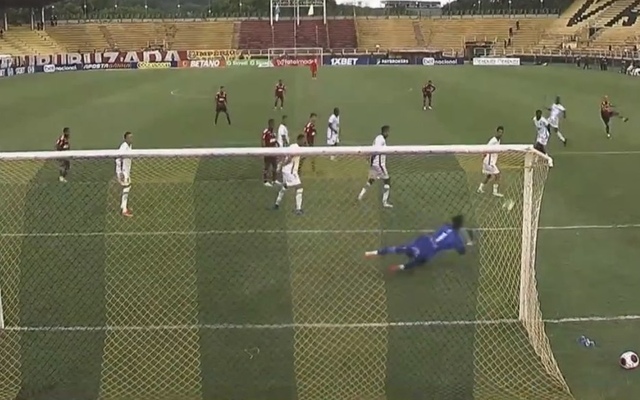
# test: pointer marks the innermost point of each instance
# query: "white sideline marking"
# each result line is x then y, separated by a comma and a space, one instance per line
299, 231
400, 324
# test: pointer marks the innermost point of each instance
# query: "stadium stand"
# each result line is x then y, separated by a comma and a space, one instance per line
201, 35
136, 35
530, 32
446, 34
387, 33
28, 41
342, 34
620, 32
309, 33
7, 48
79, 37
255, 35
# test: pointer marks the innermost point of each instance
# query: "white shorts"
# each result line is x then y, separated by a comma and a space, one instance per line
490, 169
291, 179
378, 172
333, 139
125, 181
554, 122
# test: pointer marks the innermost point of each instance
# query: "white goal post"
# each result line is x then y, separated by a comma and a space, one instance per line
295, 56
499, 327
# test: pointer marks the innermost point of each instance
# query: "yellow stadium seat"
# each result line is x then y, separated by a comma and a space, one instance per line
387, 33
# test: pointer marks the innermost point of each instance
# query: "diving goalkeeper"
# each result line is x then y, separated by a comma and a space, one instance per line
424, 248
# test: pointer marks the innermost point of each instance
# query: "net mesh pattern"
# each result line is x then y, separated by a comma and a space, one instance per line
207, 293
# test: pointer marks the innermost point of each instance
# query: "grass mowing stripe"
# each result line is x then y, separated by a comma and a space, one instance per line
242, 279
62, 281
152, 281
15, 186
330, 283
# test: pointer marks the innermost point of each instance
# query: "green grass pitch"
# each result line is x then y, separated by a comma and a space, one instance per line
73, 262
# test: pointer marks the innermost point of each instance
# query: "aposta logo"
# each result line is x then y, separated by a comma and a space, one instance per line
292, 62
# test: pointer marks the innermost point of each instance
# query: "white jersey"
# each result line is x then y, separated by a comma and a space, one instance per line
491, 159
123, 165
283, 135
379, 160
292, 164
554, 114
542, 130
333, 128
556, 111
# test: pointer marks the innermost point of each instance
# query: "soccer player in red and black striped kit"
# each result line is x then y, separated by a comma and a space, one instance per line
310, 136
270, 168
427, 94
63, 144
280, 91
221, 105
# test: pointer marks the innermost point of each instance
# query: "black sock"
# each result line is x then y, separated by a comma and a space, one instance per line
217, 114
228, 118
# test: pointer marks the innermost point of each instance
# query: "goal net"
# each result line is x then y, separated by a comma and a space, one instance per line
294, 57
207, 292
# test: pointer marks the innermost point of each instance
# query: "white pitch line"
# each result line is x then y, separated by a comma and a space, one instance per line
299, 231
287, 326
597, 153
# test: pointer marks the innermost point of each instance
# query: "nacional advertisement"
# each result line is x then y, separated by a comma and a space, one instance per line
496, 62
430, 61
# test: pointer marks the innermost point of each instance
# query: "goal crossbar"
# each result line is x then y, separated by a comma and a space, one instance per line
275, 151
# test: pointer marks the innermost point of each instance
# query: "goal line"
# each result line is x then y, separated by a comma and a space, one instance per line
288, 326
300, 231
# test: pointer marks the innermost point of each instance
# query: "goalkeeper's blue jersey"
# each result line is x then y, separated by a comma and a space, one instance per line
445, 238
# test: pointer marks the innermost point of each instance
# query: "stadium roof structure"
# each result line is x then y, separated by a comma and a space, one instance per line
24, 3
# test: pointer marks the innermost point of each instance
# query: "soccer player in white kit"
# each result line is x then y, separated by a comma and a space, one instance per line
123, 173
378, 169
333, 129
291, 177
283, 133
555, 111
542, 132
490, 165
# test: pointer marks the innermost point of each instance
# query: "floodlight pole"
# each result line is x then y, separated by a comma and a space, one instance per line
324, 11
271, 12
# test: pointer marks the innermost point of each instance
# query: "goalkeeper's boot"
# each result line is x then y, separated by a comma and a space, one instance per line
276, 207
299, 212
127, 213
498, 194
371, 254
387, 205
62, 179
